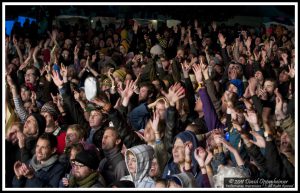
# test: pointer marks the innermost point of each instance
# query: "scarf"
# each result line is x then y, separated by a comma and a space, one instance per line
37, 166
86, 182
31, 86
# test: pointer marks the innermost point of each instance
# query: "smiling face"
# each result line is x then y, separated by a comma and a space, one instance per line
43, 150
30, 127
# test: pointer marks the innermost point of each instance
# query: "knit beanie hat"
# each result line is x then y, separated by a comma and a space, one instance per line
88, 158
41, 121
239, 85
120, 73
50, 107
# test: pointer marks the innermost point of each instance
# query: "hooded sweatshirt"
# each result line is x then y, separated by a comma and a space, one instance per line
186, 179
173, 168
144, 155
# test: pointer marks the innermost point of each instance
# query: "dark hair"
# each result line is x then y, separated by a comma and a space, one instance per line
151, 89
51, 138
117, 134
35, 70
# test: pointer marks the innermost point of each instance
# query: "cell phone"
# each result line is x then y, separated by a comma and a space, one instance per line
57, 69
227, 136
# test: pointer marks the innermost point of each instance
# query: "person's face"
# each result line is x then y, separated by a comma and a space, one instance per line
82, 63
198, 106
109, 140
30, 127
180, 53
65, 54
257, 41
72, 137
131, 163
101, 43
43, 150
12, 134
16, 61
49, 121
122, 50
178, 151
25, 94
173, 184
96, 41
95, 119
259, 76
269, 87
109, 42
161, 110
165, 64
143, 94
242, 60
30, 77
80, 171
156, 84
285, 143
283, 76
86, 53
235, 67
116, 38
154, 170
149, 134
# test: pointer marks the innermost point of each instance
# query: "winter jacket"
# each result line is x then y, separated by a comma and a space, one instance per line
144, 156
46, 175
173, 168
113, 166
139, 116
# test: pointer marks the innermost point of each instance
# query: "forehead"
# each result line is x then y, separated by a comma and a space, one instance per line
43, 142
178, 141
268, 83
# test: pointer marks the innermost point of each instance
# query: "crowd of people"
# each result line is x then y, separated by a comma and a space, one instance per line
180, 107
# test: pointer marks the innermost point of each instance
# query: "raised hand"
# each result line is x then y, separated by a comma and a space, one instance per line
77, 96
17, 169
64, 70
291, 71
57, 81
154, 122
200, 155
176, 92
222, 40
279, 105
227, 145
260, 141
251, 117
198, 72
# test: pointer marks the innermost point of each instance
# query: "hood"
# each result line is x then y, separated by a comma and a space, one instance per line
144, 155
185, 179
239, 84
189, 136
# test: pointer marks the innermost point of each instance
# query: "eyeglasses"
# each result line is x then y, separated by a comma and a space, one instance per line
77, 164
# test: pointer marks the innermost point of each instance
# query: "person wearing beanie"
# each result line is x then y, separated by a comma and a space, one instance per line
182, 180
84, 172
178, 163
34, 126
236, 86
119, 75
43, 169
50, 112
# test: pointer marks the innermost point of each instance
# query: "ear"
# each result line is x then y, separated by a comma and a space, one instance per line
118, 141
54, 150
